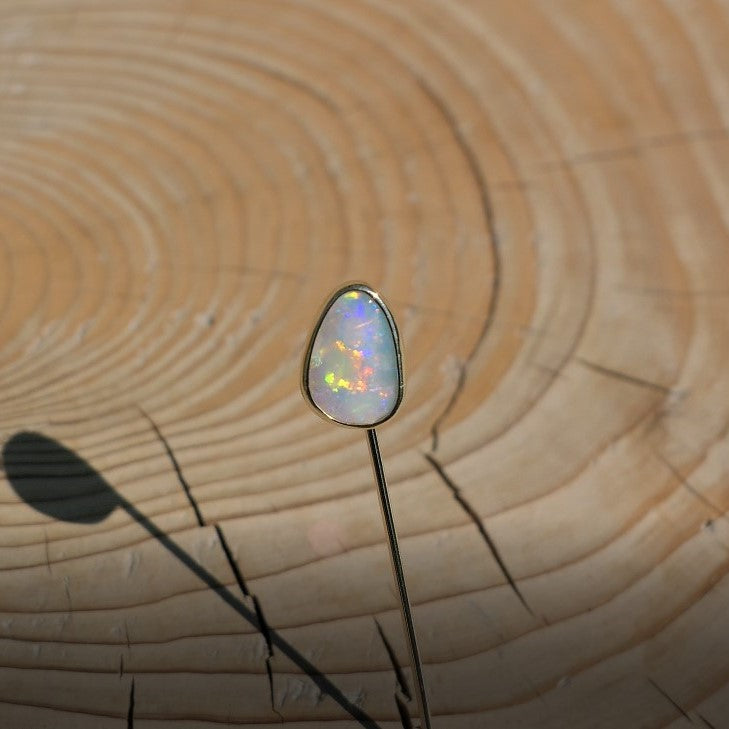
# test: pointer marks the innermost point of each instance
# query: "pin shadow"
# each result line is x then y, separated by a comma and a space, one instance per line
58, 483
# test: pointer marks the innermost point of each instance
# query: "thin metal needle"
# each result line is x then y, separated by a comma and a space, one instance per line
399, 578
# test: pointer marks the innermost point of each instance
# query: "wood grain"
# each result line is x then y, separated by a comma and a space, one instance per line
539, 191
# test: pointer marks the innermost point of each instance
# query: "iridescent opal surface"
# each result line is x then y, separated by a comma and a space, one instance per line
353, 370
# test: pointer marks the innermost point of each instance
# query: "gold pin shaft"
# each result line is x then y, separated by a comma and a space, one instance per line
397, 571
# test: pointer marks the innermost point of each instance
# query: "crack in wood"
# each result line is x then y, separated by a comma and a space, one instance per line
402, 709
126, 635
175, 465
625, 377
266, 633
476, 519
269, 673
262, 624
706, 721
261, 620
318, 677
231, 561
435, 428
130, 711
655, 142
688, 486
399, 675
402, 686
490, 222
668, 698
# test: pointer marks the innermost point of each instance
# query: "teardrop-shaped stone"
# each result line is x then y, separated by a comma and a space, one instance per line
352, 373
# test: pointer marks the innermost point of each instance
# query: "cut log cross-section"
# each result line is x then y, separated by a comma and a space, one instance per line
539, 191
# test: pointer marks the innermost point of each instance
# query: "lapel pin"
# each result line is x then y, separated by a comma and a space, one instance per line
352, 376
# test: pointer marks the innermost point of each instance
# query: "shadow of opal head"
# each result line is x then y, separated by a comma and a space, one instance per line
55, 481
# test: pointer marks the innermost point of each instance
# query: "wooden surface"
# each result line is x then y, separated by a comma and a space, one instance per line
539, 190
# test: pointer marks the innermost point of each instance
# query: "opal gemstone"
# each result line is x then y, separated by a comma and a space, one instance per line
353, 373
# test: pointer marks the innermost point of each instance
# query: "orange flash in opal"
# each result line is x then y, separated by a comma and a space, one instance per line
362, 373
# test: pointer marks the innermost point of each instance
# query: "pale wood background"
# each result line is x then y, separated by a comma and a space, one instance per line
540, 191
